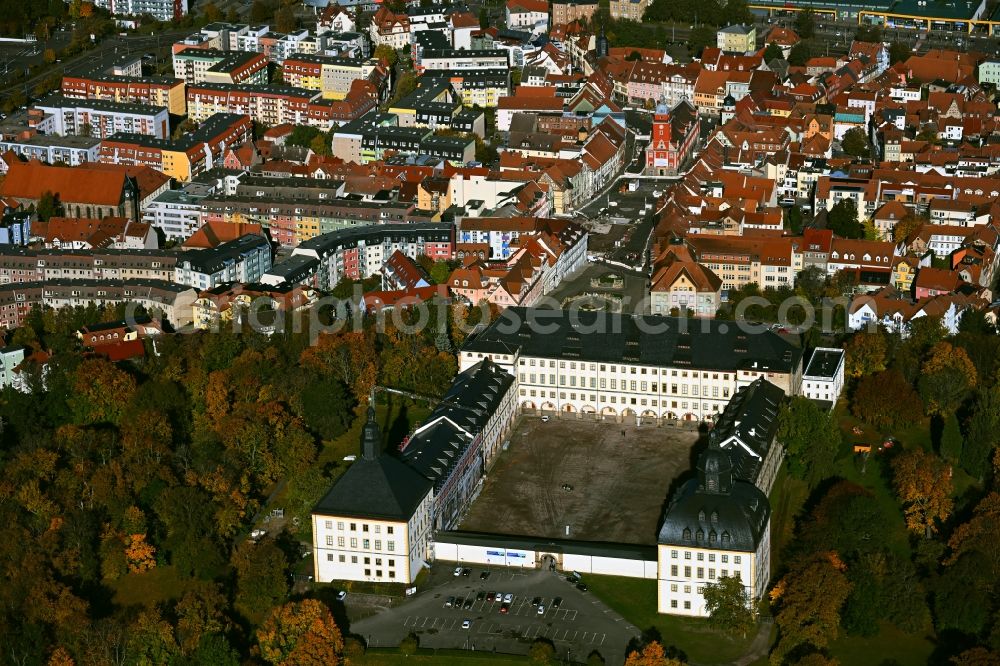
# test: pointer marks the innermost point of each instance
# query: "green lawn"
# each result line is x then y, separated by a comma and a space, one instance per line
787, 497
890, 643
635, 600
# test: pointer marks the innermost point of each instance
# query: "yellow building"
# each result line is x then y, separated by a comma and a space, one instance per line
737, 38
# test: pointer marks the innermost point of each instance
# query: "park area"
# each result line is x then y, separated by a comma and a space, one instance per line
606, 482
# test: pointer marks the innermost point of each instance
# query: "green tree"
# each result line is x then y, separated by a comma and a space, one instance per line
387, 54
773, 52
982, 433
842, 219
898, 52
190, 538
211, 13
699, 38
439, 272
542, 652
855, 142
800, 53
408, 646
49, 206
729, 606
320, 145
260, 12
951, 440
811, 438
261, 577
946, 378
484, 18
805, 23
327, 407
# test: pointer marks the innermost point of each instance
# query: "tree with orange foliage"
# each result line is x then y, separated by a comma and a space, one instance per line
86, 9
980, 533
140, 555
300, 633
60, 657
866, 353
924, 486
349, 356
651, 655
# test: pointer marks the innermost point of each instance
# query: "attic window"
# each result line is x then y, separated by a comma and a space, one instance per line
701, 516
715, 517
725, 537
699, 535
711, 536
687, 534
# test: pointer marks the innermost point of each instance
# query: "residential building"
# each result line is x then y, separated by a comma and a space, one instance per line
737, 38
168, 92
71, 150
567, 11
184, 157
628, 10
740, 260
176, 213
390, 28
683, 288
62, 116
15, 228
197, 65
823, 378
245, 259
161, 10
529, 15
117, 233
375, 523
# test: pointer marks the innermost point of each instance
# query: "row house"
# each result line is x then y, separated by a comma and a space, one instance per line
25, 265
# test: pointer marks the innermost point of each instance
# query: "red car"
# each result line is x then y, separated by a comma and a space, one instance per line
504, 609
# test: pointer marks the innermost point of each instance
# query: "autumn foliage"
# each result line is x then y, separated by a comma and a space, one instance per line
923, 484
300, 633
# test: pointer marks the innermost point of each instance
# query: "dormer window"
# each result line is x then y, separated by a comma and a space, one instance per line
687, 534
699, 535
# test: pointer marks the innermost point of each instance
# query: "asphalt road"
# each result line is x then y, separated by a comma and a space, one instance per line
580, 625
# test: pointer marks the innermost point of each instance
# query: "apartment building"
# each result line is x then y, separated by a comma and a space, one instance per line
61, 116
161, 10
330, 75
463, 60
197, 65
629, 367
176, 213
157, 297
566, 11
267, 104
71, 150
19, 264
360, 252
185, 157
482, 88
628, 10
740, 260
157, 91
244, 259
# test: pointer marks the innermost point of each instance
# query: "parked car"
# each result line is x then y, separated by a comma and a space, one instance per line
450, 602
499, 596
458, 571
466, 572
490, 595
557, 602
545, 419
480, 596
504, 609
484, 575
541, 609
468, 604
536, 601
507, 598
466, 624
581, 587
341, 595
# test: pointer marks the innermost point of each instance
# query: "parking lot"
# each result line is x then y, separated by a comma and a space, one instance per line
618, 476
575, 621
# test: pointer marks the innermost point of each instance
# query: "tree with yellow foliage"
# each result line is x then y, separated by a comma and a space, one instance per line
300, 633
946, 378
140, 555
924, 486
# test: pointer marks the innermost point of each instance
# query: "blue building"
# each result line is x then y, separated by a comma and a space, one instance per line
15, 228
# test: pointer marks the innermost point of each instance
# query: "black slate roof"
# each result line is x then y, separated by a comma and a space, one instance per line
750, 420
376, 486
715, 510
653, 340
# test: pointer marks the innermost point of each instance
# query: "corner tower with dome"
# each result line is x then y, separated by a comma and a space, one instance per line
718, 524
